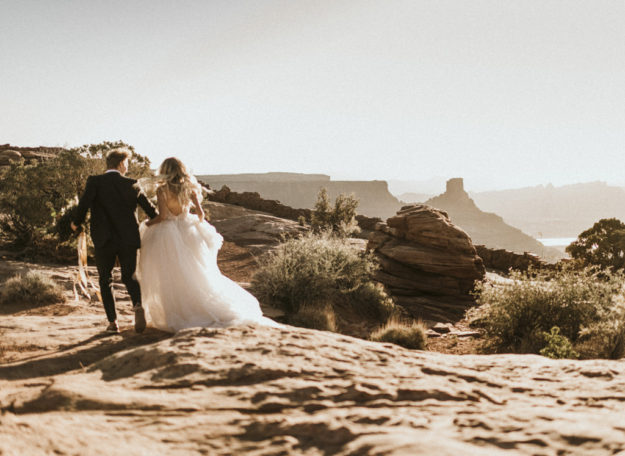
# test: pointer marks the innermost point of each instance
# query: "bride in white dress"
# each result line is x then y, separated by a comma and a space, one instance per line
181, 284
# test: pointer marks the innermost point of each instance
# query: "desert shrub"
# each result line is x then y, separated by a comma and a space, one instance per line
373, 301
605, 336
339, 219
585, 305
320, 270
409, 335
602, 245
33, 196
321, 317
32, 288
558, 346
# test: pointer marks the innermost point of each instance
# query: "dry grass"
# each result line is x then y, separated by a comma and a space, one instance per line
409, 335
32, 288
315, 317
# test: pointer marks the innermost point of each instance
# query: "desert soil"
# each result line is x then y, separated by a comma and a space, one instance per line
65, 388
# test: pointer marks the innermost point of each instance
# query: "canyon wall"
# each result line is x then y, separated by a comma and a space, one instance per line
301, 191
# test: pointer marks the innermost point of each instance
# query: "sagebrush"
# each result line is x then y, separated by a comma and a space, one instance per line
585, 305
320, 270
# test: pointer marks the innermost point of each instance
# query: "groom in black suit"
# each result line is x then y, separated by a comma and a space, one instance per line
113, 201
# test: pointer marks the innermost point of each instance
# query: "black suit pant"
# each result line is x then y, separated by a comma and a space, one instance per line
105, 257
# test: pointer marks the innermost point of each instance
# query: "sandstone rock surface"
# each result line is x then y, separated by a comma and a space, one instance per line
65, 388
254, 390
428, 264
258, 232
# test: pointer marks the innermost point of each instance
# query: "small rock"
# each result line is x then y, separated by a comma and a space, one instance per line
442, 328
466, 333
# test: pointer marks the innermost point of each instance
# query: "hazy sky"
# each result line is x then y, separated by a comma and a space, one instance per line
506, 93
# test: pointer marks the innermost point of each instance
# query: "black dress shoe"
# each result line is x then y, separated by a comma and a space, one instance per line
112, 328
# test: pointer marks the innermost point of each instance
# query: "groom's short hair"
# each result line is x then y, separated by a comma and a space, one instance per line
115, 157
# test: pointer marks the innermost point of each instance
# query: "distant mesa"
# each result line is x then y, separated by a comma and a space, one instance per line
546, 211
266, 177
300, 190
487, 228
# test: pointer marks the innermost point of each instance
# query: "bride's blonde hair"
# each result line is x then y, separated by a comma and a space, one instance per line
173, 175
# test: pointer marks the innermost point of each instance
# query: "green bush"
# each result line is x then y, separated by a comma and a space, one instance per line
320, 270
340, 219
586, 306
33, 289
603, 245
409, 335
605, 337
558, 346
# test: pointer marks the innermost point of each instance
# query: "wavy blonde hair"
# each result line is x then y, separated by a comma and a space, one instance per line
173, 175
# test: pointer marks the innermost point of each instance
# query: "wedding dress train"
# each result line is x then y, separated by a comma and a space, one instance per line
181, 284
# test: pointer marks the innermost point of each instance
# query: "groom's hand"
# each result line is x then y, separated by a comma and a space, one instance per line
75, 228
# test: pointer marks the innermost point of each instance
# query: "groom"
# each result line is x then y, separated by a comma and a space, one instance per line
113, 201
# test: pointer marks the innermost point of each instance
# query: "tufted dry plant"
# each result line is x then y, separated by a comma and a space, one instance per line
409, 335
32, 288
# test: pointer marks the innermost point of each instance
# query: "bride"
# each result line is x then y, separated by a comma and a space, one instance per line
181, 284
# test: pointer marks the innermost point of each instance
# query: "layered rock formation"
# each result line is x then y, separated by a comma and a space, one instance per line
486, 228
428, 264
300, 190
502, 260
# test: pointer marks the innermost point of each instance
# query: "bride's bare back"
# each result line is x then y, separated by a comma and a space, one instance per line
169, 203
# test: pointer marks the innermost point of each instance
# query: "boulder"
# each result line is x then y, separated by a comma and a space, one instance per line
8, 156
259, 232
427, 264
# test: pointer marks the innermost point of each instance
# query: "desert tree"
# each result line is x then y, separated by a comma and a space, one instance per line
34, 195
339, 219
603, 245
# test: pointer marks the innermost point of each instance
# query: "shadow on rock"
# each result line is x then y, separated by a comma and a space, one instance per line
79, 355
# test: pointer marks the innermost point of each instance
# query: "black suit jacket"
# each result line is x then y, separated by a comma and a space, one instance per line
113, 201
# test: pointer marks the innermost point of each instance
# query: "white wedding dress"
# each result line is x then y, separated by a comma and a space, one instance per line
181, 284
